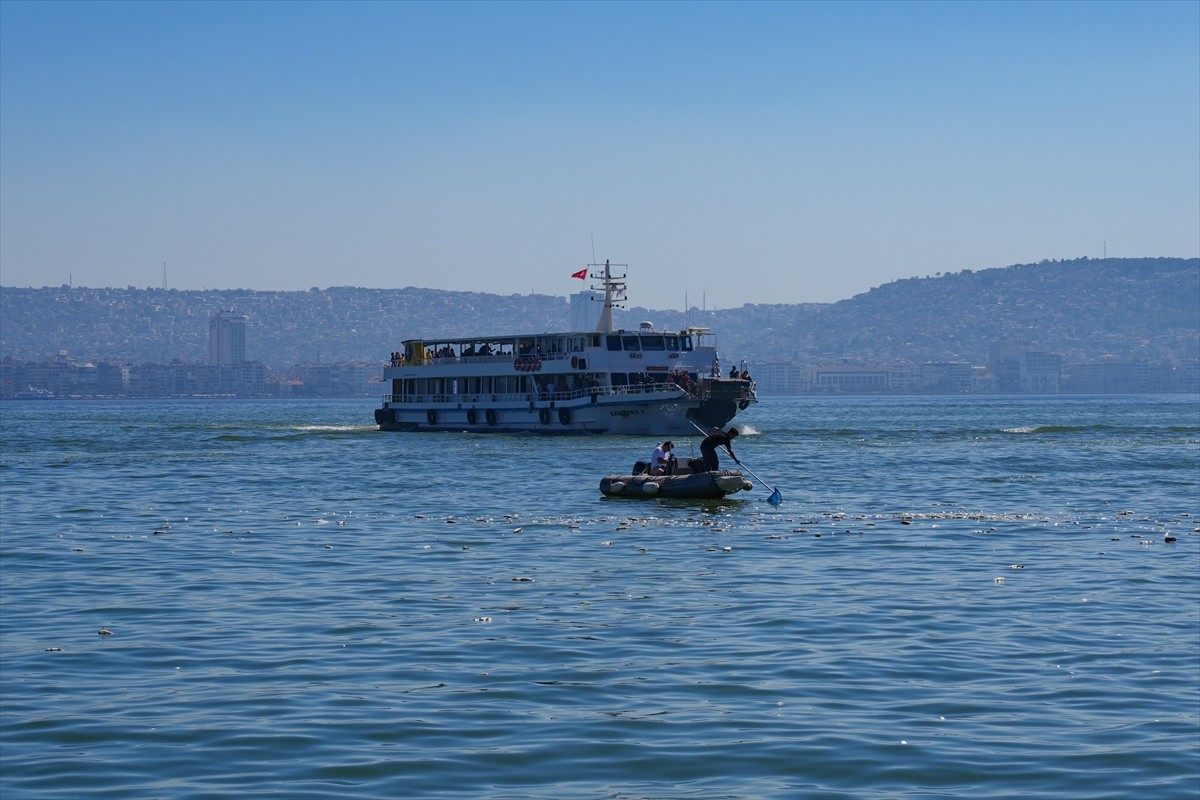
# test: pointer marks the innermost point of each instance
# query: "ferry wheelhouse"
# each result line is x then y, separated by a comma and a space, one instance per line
643, 381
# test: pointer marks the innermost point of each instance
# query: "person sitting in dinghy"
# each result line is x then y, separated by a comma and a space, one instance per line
718, 438
662, 462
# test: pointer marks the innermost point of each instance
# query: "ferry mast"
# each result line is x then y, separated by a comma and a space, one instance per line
614, 292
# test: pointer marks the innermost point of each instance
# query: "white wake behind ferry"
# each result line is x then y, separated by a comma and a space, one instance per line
643, 381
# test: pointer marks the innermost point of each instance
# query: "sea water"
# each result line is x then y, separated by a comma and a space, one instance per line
958, 597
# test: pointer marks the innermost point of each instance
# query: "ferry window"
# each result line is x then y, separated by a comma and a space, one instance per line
673, 343
619, 379
653, 343
630, 343
685, 343
593, 340
613, 342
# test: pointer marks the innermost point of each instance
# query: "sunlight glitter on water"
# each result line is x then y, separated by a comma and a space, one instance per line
381, 615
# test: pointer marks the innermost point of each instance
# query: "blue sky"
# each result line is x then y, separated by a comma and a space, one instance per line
780, 152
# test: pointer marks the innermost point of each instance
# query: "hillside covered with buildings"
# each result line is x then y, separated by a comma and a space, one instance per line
1112, 325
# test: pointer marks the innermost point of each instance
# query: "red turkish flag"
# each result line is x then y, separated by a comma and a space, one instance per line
582, 274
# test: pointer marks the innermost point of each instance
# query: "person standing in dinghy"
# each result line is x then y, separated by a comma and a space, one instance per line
718, 438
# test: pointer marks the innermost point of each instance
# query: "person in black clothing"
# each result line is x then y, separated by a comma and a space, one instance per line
708, 448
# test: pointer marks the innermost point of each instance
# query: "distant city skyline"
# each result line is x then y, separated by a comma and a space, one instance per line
732, 153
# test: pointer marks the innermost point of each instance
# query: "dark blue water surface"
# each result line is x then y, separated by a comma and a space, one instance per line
983, 597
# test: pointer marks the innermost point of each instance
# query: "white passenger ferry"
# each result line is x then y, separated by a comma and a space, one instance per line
642, 381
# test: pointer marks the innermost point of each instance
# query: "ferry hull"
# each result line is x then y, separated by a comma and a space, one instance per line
606, 416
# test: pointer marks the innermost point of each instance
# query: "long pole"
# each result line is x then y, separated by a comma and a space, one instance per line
775, 499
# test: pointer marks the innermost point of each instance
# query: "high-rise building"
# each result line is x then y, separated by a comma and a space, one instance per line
226, 339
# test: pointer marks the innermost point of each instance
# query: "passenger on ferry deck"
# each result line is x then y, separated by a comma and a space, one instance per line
733, 373
486, 350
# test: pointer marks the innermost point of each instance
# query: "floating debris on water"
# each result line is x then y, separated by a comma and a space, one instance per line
523, 579
104, 632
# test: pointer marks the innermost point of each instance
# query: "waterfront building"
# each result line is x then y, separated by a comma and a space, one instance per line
849, 379
226, 339
945, 377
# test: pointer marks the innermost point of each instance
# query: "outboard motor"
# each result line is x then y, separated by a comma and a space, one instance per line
640, 467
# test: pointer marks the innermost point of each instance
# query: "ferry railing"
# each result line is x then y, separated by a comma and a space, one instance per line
476, 358
668, 389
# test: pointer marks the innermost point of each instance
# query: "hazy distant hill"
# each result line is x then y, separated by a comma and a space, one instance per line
1084, 309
